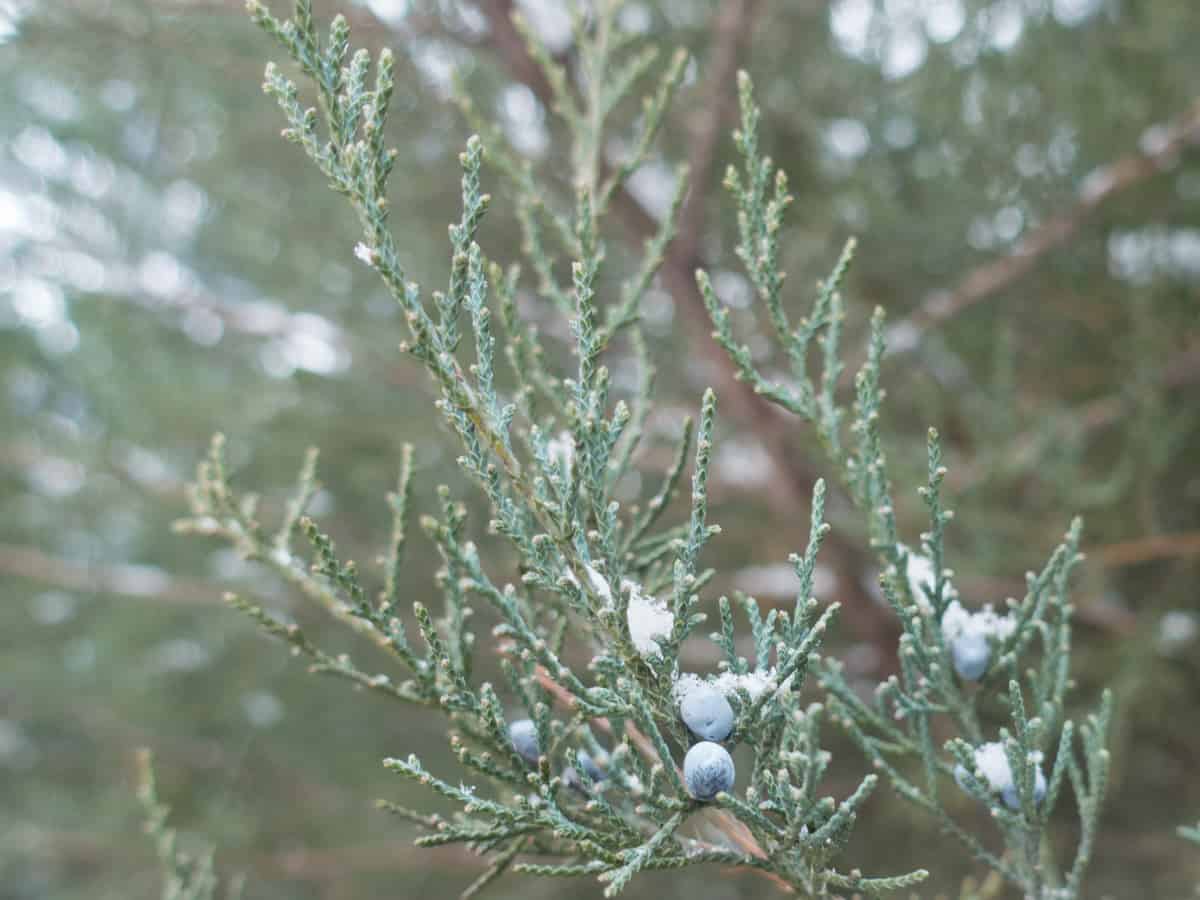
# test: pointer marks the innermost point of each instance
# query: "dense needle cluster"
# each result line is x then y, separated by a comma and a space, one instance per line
601, 774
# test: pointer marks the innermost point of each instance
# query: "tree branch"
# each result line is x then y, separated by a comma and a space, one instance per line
732, 30
1098, 186
1146, 549
129, 580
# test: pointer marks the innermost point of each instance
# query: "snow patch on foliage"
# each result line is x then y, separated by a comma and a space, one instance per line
991, 762
366, 254
957, 622
684, 685
753, 683
597, 582
649, 620
921, 577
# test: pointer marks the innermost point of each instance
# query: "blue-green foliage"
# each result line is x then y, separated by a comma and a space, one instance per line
547, 450
1027, 648
187, 876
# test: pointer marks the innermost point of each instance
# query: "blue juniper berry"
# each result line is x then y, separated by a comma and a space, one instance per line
589, 766
1013, 800
707, 713
571, 779
971, 654
996, 775
523, 734
708, 770
594, 773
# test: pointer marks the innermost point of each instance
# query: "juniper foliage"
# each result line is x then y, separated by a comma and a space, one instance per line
1029, 674
186, 876
548, 449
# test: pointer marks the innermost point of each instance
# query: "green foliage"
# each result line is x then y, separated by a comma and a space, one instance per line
586, 566
1030, 653
592, 570
185, 876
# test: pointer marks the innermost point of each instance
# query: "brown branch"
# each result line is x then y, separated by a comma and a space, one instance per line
29, 562
508, 44
1146, 549
1097, 187
732, 30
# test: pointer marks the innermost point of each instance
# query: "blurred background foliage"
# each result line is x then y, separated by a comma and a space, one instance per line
1024, 178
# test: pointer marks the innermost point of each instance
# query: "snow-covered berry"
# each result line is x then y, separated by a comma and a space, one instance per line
708, 770
985, 622
1013, 800
971, 653
707, 713
996, 775
523, 734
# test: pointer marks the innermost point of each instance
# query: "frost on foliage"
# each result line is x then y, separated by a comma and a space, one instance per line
649, 618
957, 622
684, 685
